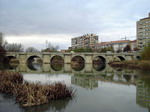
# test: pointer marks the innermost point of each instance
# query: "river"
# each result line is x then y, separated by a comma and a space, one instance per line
104, 89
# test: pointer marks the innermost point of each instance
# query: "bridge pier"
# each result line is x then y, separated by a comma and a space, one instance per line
67, 58
46, 58
88, 59
22, 58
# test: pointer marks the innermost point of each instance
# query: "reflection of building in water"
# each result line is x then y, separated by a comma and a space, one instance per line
84, 82
91, 81
143, 94
125, 79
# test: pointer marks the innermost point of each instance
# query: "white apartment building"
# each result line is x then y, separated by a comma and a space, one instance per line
143, 32
85, 41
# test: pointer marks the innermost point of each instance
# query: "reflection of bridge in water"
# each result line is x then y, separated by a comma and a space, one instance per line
88, 77
67, 68
91, 80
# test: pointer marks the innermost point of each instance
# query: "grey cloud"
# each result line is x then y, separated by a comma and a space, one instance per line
69, 16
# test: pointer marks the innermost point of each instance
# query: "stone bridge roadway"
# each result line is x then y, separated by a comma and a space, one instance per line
67, 57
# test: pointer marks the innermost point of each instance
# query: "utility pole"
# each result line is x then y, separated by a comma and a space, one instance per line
46, 42
127, 37
124, 38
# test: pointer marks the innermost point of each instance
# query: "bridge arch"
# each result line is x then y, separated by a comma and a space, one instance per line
138, 57
102, 58
122, 58
34, 62
8, 59
32, 58
99, 63
77, 63
10, 62
57, 63
127, 77
57, 59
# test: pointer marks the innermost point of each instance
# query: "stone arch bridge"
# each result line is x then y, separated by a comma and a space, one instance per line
67, 57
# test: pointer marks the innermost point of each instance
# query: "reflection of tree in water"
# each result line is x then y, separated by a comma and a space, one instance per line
57, 63
127, 77
10, 63
99, 67
77, 67
77, 63
9, 66
57, 67
53, 106
34, 63
34, 66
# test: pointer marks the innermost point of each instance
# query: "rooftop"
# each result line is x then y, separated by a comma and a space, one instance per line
113, 42
146, 17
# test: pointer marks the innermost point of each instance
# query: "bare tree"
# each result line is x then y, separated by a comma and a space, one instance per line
50, 47
3, 42
1, 39
2, 50
14, 47
31, 49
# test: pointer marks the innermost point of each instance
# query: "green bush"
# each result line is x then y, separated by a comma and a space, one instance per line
145, 54
83, 50
127, 48
104, 50
145, 65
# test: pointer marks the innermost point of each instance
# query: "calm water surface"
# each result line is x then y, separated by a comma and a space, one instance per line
106, 90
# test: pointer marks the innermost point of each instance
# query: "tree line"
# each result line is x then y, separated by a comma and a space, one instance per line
127, 48
18, 47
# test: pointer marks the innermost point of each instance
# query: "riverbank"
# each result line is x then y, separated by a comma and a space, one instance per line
132, 64
30, 94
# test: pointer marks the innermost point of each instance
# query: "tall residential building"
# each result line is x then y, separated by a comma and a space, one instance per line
85, 41
143, 32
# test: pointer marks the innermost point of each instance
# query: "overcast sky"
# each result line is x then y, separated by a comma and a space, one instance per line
32, 22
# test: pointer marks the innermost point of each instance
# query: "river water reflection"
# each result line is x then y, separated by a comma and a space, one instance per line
97, 90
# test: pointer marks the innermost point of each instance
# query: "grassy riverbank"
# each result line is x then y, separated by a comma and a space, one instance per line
133, 64
28, 94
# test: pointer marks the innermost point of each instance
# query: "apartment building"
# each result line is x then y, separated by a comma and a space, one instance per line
143, 32
85, 41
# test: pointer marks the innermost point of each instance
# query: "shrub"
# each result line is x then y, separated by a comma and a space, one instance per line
127, 48
145, 54
145, 65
